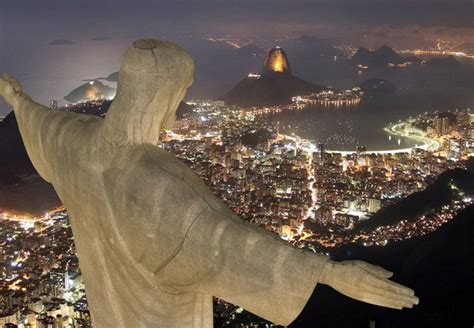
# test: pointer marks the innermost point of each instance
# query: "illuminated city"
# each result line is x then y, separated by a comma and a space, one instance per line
283, 183
346, 136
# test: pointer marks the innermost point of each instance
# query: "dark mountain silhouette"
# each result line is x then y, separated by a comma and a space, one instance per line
14, 161
183, 109
377, 86
113, 77
21, 188
449, 186
275, 86
437, 266
255, 136
268, 90
381, 57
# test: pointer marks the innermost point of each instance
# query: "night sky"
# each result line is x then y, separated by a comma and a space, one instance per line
51, 45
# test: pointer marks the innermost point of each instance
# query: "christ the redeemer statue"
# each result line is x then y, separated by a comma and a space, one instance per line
154, 244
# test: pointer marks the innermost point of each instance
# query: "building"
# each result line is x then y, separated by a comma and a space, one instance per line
321, 151
455, 149
441, 125
374, 205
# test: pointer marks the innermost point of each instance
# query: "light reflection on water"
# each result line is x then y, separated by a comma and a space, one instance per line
344, 128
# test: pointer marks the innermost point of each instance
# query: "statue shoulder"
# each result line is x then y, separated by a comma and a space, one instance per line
153, 177
154, 199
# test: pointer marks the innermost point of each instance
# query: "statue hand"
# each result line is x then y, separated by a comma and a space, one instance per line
10, 89
367, 283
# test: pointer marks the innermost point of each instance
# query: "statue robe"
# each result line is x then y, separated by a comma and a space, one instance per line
154, 244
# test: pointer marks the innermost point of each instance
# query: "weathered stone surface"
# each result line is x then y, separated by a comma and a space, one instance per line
154, 243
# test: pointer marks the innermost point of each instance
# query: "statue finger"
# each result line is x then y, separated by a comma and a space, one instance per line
374, 269
391, 286
387, 288
393, 295
388, 300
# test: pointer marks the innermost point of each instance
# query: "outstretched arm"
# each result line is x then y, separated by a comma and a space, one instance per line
32, 119
227, 258
39, 126
240, 264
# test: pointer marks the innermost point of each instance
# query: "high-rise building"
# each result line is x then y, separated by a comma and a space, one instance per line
59, 277
463, 118
455, 149
441, 125
374, 205
470, 140
321, 151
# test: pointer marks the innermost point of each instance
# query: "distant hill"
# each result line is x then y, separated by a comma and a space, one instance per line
449, 186
113, 77
268, 90
255, 136
438, 266
276, 85
183, 109
381, 57
14, 161
377, 86
89, 91
443, 62
21, 188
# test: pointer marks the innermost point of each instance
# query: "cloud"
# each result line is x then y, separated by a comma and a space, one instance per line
101, 38
60, 42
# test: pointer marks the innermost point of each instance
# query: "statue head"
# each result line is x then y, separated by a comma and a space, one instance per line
152, 82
